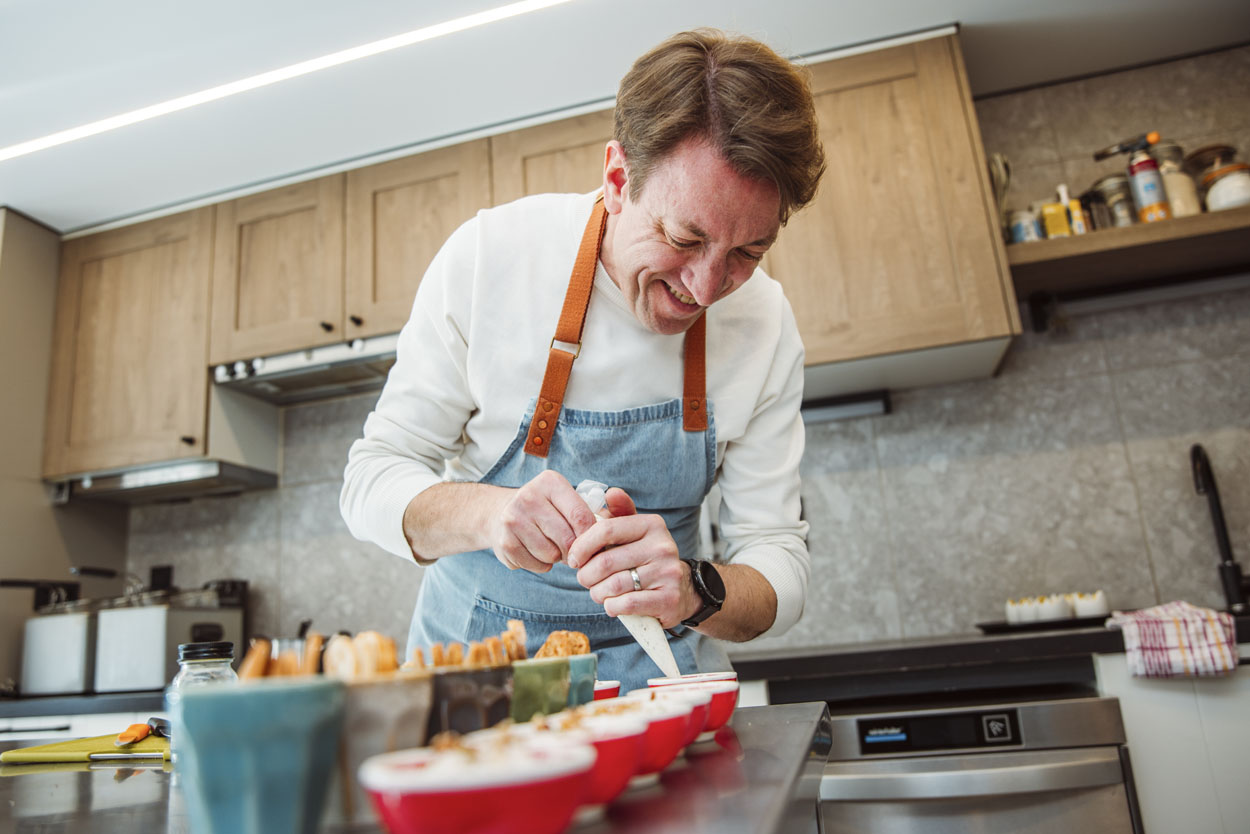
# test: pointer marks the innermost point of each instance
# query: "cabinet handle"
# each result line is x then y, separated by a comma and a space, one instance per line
187, 439
356, 320
327, 327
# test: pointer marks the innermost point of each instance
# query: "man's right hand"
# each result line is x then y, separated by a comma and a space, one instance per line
533, 527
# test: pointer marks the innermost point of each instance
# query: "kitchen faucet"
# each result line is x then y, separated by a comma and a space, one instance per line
1236, 586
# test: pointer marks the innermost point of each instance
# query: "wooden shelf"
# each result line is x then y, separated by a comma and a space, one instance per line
1197, 246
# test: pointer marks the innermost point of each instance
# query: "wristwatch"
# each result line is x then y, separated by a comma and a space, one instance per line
710, 588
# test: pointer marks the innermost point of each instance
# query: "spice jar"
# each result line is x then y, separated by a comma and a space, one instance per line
1025, 227
1228, 187
1115, 192
1179, 185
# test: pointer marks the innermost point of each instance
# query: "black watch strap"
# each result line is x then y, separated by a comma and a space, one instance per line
710, 588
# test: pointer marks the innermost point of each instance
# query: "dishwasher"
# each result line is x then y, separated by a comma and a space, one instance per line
1039, 767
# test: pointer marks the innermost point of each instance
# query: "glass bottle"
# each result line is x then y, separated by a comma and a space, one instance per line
199, 664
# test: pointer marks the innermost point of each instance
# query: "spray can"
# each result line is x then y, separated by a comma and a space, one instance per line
1143, 175
1147, 185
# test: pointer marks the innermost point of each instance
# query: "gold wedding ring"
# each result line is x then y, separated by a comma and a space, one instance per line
633, 574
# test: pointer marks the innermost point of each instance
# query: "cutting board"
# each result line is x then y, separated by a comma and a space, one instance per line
99, 748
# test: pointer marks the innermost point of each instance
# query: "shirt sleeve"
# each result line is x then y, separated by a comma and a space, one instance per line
759, 480
418, 422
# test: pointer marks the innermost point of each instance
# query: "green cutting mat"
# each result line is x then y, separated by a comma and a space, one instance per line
81, 750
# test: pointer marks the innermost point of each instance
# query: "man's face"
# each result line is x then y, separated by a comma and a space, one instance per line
693, 236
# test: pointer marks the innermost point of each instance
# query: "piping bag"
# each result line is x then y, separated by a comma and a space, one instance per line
644, 628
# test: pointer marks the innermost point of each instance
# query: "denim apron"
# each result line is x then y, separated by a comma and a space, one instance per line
648, 451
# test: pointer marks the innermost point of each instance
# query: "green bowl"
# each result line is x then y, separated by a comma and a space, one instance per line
539, 686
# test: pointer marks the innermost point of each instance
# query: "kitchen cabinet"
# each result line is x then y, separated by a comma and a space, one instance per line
278, 271
130, 345
398, 215
900, 251
565, 156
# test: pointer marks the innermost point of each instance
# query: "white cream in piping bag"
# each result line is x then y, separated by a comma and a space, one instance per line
645, 629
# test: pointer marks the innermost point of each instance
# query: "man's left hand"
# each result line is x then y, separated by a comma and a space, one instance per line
604, 555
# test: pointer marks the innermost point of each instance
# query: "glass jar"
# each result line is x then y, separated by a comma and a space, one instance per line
1228, 187
199, 664
1116, 193
1180, 187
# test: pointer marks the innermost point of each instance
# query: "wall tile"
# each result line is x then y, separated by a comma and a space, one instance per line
1008, 489
1032, 184
1165, 410
316, 438
1207, 326
1016, 125
1223, 85
337, 581
214, 538
1069, 347
852, 595
1180, 534
1096, 112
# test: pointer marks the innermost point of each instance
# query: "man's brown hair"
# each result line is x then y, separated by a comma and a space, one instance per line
753, 105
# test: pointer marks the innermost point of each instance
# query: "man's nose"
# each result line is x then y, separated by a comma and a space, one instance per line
707, 279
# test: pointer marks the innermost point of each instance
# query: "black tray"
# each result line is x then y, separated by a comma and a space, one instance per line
1004, 627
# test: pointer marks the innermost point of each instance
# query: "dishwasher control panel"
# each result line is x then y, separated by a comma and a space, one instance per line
998, 727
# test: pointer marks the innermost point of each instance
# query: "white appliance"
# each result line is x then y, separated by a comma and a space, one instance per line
58, 654
137, 648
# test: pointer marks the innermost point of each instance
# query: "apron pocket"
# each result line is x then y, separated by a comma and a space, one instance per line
490, 617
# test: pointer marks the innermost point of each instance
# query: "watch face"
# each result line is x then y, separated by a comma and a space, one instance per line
711, 581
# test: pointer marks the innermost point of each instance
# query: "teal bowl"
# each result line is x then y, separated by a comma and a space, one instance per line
257, 758
583, 669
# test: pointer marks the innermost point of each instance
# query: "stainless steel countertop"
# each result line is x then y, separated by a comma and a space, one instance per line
760, 775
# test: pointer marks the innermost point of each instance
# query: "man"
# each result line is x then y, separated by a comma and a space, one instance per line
676, 363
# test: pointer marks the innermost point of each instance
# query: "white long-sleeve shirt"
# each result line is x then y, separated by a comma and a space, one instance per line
472, 356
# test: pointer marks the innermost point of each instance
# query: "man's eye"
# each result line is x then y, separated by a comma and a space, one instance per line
683, 244
751, 256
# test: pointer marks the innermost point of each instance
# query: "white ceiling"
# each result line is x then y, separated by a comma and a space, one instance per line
66, 63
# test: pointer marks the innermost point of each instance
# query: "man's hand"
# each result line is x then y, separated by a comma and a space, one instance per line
604, 555
534, 527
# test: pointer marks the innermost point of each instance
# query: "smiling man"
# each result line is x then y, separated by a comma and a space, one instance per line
626, 336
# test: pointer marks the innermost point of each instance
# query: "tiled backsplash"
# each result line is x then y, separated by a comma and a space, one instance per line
1069, 471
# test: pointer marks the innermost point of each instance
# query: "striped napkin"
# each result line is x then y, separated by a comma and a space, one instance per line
1177, 639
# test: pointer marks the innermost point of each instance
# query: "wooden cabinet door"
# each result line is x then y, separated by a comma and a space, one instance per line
130, 346
565, 156
900, 249
278, 271
398, 216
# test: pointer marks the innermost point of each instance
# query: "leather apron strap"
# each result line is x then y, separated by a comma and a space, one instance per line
569, 333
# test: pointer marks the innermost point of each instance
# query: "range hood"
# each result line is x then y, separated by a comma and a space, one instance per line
318, 373
242, 453
362, 365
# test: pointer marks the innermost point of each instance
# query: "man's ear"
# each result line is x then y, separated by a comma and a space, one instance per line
615, 177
